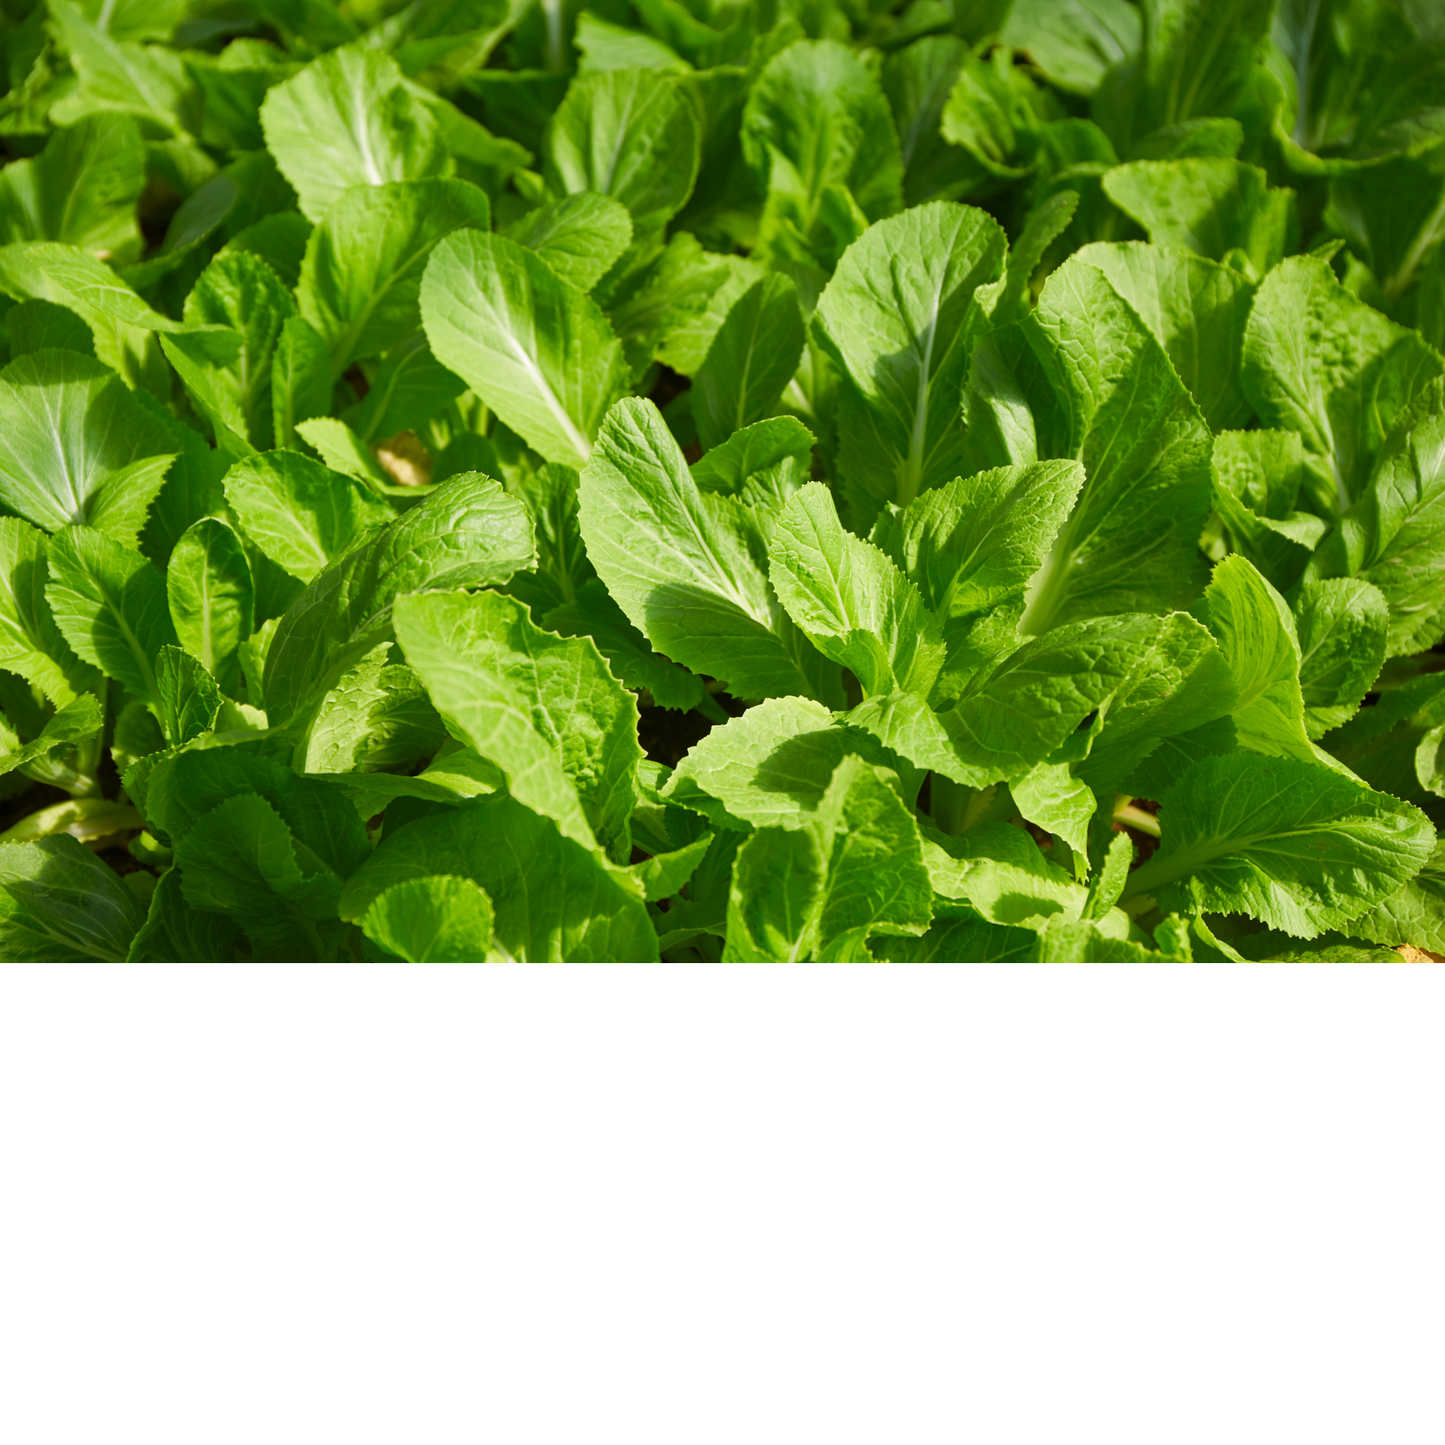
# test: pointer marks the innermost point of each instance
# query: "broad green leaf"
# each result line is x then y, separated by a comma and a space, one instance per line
1394, 214
43, 325
82, 188
466, 533
584, 912
763, 463
1073, 42
1108, 396
544, 708
535, 349
76, 447
302, 515
378, 716
579, 236
896, 317
1197, 311
768, 767
343, 451
605, 46
1256, 633
348, 120
1342, 626
1321, 363
1257, 480
1212, 207
850, 600
684, 298
361, 277
31, 645
211, 597
147, 81
189, 698
687, 566
1414, 915
1393, 537
751, 359
431, 920
630, 134
300, 379
855, 868
1299, 847
110, 605
59, 903
963, 940
1051, 797
995, 114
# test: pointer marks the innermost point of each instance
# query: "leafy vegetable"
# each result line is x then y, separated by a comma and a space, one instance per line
911, 482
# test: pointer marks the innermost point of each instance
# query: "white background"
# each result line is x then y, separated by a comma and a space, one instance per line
760, 1206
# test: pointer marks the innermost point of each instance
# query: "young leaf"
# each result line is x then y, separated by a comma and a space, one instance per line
361, 277
546, 709
31, 645
535, 349
110, 605
579, 236
431, 920
189, 697
751, 359
687, 566
211, 597
895, 316
819, 891
852, 603
348, 120
60, 904
1342, 626
302, 515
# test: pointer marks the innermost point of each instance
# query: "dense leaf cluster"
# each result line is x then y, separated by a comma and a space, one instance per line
991, 451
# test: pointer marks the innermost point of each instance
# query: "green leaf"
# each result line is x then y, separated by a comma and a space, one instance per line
544, 708
176, 933
82, 188
1393, 537
579, 236
587, 910
110, 605
30, 642
1075, 42
211, 597
378, 716
343, 451
302, 515
1108, 396
1257, 480
963, 940
60, 904
1052, 798
409, 389
917, 80
1196, 310
80, 718
594, 614
76, 447
766, 462
189, 697
850, 601
1256, 633
535, 349
819, 891
1002, 873
630, 134
1342, 626
768, 767
431, 920
1210, 206
897, 319
361, 277
43, 325
300, 379
1415, 915
752, 358
971, 545
348, 120
466, 533
687, 566
1296, 846
1319, 362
